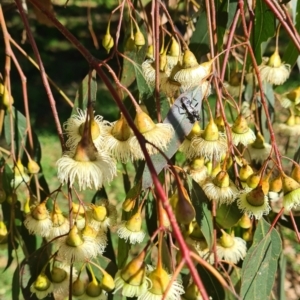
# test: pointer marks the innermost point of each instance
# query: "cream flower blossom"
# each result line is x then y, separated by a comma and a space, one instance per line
291, 98
20, 175
289, 128
273, 70
132, 229
241, 133
234, 86
231, 249
157, 134
118, 141
102, 216
42, 286
130, 288
260, 204
220, 189
198, 170
60, 224
160, 279
132, 279
75, 248
87, 167
191, 74
291, 190
210, 144
96, 237
74, 129
258, 151
38, 220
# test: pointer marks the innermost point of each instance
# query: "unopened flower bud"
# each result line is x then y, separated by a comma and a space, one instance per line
108, 41
196, 130
291, 121
276, 184
107, 282
93, 289
245, 172
99, 213
3, 233
248, 235
58, 275
33, 167
184, 212
296, 173
139, 40
174, 49
42, 282
7, 100
245, 222
78, 288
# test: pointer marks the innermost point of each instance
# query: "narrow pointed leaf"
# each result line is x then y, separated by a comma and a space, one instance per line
260, 264
263, 29
291, 53
82, 94
203, 213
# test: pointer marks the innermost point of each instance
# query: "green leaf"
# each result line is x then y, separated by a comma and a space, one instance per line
212, 285
203, 213
263, 28
291, 52
131, 55
235, 280
260, 264
20, 128
182, 127
16, 284
82, 94
228, 215
123, 253
222, 20
199, 43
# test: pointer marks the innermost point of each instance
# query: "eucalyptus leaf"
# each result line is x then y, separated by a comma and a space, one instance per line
19, 130
263, 28
203, 213
199, 43
132, 55
291, 53
260, 265
82, 94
